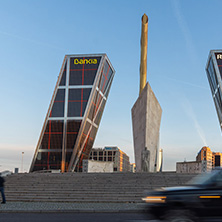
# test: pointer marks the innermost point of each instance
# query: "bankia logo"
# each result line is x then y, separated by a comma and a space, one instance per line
85, 61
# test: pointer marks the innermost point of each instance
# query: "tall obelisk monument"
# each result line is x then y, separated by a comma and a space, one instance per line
143, 56
146, 115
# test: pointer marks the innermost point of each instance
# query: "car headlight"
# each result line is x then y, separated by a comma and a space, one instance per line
154, 199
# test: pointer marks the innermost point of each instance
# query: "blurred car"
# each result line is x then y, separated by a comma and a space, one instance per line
200, 199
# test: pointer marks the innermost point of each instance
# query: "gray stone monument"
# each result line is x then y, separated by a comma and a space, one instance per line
146, 115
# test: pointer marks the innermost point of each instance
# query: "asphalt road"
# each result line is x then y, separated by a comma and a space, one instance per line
75, 217
79, 217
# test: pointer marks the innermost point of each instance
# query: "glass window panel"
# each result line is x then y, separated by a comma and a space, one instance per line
105, 77
220, 69
75, 94
56, 125
210, 82
71, 140
56, 141
53, 129
78, 99
72, 133
68, 157
63, 79
93, 133
55, 159
100, 112
58, 106
83, 136
60, 96
93, 106
87, 148
57, 109
86, 93
73, 125
75, 77
89, 77
83, 108
86, 128
107, 90
48, 160
74, 109
45, 142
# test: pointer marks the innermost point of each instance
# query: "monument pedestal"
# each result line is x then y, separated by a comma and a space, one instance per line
146, 118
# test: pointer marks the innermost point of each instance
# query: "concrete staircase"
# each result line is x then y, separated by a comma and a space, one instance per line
91, 187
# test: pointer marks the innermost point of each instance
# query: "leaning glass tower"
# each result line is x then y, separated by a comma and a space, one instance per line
74, 113
214, 74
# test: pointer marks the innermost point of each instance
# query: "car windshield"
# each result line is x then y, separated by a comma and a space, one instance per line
204, 178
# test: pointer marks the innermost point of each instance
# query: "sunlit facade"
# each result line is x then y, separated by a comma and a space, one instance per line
205, 154
74, 113
112, 154
214, 159
214, 74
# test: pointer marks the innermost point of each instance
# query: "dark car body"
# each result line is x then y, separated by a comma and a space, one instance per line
202, 198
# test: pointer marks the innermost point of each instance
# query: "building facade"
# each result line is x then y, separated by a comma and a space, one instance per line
205, 154
189, 167
112, 154
74, 113
133, 167
193, 167
213, 159
214, 73
93, 166
217, 159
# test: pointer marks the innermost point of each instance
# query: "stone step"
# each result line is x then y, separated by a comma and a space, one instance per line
80, 187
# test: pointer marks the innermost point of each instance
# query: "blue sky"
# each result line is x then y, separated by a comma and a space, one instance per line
36, 35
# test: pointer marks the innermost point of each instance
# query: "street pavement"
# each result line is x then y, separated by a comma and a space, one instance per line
69, 217
79, 217
78, 212
64, 207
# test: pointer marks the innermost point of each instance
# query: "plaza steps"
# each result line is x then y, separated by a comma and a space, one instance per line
88, 187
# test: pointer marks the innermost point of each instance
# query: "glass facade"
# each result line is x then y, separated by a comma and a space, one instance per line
74, 113
214, 75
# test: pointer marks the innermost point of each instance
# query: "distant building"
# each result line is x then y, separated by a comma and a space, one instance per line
192, 167
217, 159
93, 166
206, 160
214, 73
133, 167
112, 154
213, 159
205, 154
188, 167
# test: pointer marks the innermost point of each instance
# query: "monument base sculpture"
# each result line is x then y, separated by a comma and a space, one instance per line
146, 118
